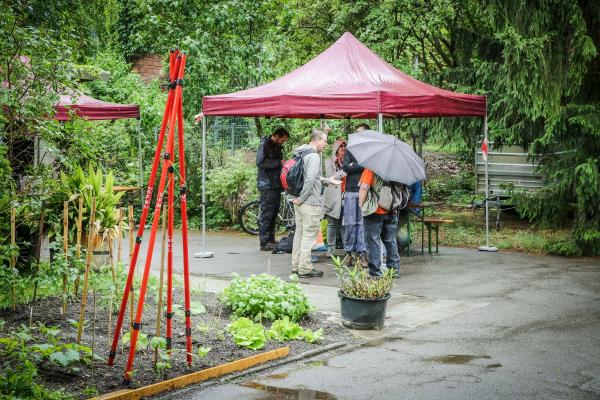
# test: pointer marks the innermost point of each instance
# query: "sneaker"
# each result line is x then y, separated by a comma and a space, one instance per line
320, 248
267, 247
295, 271
315, 273
314, 259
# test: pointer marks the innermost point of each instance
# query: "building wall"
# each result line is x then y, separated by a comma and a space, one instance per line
149, 66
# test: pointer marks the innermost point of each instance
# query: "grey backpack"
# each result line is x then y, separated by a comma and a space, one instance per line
393, 196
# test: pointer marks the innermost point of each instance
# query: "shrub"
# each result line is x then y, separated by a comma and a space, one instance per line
266, 296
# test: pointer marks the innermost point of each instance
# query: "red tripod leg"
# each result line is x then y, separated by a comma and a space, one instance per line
171, 204
174, 64
184, 229
168, 159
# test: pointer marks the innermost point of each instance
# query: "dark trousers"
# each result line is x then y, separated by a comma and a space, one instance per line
269, 207
381, 228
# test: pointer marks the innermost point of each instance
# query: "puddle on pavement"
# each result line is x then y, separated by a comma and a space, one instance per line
283, 375
381, 341
232, 252
491, 366
318, 363
282, 393
457, 358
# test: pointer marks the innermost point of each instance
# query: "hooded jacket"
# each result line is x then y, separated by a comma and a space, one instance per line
332, 195
353, 170
311, 190
268, 161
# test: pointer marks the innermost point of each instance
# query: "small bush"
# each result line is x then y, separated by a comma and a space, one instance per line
563, 248
266, 296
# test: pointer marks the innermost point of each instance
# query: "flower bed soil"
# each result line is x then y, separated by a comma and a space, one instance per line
99, 376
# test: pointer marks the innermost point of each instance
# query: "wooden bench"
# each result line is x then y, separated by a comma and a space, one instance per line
433, 224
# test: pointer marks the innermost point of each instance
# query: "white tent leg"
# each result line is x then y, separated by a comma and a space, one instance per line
380, 122
204, 253
140, 160
487, 246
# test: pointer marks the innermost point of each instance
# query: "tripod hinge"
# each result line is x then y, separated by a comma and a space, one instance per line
169, 315
183, 190
179, 82
167, 156
188, 332
171, 169
138, 239
136, 326
168, 344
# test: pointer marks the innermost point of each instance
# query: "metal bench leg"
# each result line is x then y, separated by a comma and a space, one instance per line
429, 227
437, 229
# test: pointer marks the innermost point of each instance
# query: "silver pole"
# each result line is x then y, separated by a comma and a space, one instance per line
141, 161
487, 246
204, 253
380, 122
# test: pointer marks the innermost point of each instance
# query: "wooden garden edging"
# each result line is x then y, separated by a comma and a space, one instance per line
195, 377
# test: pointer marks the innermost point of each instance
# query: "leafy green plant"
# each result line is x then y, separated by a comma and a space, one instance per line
203, 351
358, 283
266, 296
247, 334
142, 342
284, 330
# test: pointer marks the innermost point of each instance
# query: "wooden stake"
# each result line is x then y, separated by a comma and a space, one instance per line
160, 285
112, 295
39, 249
13, 259
65, 253
86, 275
78, 245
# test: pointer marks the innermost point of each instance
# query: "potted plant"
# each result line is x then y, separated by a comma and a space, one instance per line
363, 299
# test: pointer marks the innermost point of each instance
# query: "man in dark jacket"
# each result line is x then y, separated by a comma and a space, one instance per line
269, 160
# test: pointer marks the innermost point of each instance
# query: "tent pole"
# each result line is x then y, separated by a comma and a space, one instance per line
141, 162
487, 246
204, 253
380, 122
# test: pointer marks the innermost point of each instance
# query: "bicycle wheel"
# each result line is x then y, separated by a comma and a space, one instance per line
285, 219
248, 217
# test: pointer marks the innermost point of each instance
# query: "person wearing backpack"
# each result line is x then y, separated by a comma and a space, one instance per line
380, 201
269, 162
308, 206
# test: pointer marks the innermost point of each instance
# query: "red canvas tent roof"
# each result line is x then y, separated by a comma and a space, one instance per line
90, 108
346, 80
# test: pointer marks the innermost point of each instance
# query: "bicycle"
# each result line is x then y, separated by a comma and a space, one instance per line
248, 216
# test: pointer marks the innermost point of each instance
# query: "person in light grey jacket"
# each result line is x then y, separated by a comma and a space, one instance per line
332, 195
308, 206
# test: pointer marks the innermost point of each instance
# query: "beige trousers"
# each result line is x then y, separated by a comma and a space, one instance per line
308, 220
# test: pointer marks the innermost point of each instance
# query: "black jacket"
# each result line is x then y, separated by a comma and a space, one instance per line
268, 161
353, 170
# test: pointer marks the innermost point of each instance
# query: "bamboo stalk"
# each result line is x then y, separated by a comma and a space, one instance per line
65, 253
86, 275
161, 282
114, 276
78, 245
112, 260
131, 245
120, 241
13, 259
39, 249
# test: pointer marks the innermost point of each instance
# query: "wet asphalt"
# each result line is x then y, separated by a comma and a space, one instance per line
461, 324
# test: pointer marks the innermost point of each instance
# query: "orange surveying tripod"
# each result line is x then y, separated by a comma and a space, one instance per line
173, 113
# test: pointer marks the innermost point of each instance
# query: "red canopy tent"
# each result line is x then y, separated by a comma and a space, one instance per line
89, 108
346, 80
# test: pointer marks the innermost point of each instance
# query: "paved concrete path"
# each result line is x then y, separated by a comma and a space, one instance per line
461, 324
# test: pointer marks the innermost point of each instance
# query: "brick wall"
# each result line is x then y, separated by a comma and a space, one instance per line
149, 66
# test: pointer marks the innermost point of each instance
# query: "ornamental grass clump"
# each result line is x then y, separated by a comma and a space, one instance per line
359, 284
266, 297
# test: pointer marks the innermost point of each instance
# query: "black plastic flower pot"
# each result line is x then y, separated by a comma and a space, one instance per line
363, 313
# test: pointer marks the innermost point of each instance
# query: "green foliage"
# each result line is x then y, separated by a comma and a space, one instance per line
90, 185
26, 349
284, 330
563, 248
357, 283
229, 186
247, 334
203, 351
266, 296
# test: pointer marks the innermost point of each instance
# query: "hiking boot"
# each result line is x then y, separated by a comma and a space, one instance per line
315, 273
267, 247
